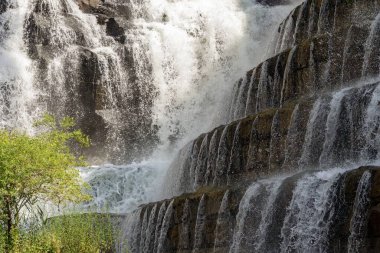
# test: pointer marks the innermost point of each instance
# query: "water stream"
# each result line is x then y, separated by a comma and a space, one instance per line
167, 81
167, 72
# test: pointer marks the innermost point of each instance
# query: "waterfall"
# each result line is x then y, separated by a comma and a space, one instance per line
140, 84
164, 228
306, 217
200, 225
372, 39
249, 105
301, 12
291, 138
287, 32
359, 218
185, 236
200, 169
314, 136
286, 75
291, 169
312, 18
267, 160
224, 226
263, 95
305, 226
18, 95
347, 44
287, 213
254, 216
323, 15
160, 218
150, 231
275, 155
223, 157
235, 96
245, 211
241, 99
212, 156
337, 128
370, 129
213, 43
346, 127
277, 84
312, 64
331, 127
144, 227
268, 213
120, 188
306, 149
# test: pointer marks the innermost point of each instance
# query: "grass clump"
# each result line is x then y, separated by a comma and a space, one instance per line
76, 233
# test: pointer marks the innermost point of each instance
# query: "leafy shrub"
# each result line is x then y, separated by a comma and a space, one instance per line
76, 233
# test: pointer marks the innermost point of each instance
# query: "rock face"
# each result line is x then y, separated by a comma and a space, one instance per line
272, 2
85, 67
191, 221
263, 181
3, 6
220, 220
318, 50
285, 113
315, 132
88, 4
279, 174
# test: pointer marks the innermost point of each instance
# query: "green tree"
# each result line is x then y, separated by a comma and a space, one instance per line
39, 168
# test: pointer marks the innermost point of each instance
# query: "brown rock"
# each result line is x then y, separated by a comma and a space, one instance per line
88, 4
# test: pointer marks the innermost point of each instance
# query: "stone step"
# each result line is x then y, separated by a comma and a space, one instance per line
208, 220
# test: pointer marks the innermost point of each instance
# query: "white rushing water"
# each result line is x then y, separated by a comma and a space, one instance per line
190, 51
359, 219
306, 223
198, 49
187, 54
121, 188
17, 94
296, 213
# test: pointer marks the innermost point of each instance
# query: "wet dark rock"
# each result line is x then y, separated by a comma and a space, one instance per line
187, 206
374, 221
322, 51
213, 198
374, 214
89, 4
273, 2
3, 6
115, 30
320, 47
89, 89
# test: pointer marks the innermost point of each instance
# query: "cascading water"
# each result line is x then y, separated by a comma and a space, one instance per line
369, 65
120, 188
144, 77
304, 217
255, 207
309, 214
214, 42
157, 76
359, 220
300, 150
17, 93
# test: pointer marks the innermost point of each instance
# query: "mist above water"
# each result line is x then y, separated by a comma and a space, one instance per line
190, 52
